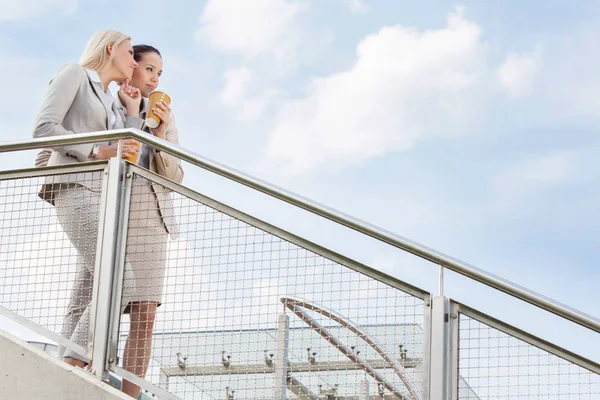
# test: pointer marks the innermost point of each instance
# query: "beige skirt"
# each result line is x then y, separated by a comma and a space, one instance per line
146, 251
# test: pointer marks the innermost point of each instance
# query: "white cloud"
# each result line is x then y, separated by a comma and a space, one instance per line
251, 28
254, 107
404, 85
38, 76
14, 10
534, 174
518, 72
357, 6
236, 86
242, 92
18, 111
570, 79
269, 40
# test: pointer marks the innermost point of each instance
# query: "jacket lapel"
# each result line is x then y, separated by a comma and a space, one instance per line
120, 123
97, 86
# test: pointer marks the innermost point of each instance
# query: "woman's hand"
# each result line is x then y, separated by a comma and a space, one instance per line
130, 148
163, 111
131, 98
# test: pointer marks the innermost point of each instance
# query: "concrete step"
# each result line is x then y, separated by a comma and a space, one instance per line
28, 373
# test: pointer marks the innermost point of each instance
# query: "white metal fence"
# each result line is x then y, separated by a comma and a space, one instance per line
251, 311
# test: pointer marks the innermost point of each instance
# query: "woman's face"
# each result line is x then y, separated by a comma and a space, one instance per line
147, 75
123, 62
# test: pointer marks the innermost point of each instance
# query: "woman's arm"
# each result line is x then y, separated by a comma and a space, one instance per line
134, 122
130, 99
57, 102
42, 158
166, 164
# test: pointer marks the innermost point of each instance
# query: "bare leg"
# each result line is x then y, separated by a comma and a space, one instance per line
136, 356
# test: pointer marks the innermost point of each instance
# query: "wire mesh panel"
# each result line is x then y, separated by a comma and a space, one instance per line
47, 251
496, 366
221, 293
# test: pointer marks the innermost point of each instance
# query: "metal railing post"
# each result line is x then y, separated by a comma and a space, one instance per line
364, 390
425, 371
439, 351
103, 276
119, 268
453, 327
281, 357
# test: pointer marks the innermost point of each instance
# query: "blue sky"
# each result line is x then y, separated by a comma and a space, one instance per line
470, 127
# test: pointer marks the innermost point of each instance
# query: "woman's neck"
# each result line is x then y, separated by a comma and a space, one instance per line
106, 78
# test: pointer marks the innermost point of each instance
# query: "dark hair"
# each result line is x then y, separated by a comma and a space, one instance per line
140, 49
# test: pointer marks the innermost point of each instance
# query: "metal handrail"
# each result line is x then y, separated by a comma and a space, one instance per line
356, 224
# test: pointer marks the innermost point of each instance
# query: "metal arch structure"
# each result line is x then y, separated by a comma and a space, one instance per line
295, 305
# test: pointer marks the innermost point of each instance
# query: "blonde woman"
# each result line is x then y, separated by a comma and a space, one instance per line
78, 101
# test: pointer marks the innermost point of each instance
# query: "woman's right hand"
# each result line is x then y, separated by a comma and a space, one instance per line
130, 148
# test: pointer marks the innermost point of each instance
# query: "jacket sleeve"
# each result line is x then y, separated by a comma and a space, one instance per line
58, 100
128, 121
134, 122
42, 158
166, 164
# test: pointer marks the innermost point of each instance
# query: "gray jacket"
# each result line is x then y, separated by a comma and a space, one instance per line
74, 104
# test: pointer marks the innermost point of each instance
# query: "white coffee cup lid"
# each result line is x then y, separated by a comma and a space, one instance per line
151, 122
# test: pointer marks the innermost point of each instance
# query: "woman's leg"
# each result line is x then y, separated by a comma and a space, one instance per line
136, 355
79, 299
80, 336
146, 255
77, 213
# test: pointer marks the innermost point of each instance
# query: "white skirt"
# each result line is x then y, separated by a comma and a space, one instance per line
146, 251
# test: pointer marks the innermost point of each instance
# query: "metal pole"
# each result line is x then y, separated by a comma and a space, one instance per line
453, 328
438, 376
163, 381
364, 390
119, 266
425, 368
103, 275
98, 261
441, 281
281, 357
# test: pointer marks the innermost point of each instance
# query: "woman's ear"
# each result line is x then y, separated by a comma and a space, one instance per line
109, 49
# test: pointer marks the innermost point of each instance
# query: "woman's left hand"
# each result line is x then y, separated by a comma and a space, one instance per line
163, 111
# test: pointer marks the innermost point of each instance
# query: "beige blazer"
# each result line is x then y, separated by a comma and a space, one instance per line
165, 165
75, 104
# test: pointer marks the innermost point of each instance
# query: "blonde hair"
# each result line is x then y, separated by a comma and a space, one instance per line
94, 56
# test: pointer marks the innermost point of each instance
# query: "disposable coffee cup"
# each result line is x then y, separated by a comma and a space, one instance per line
135, 158
153, 120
